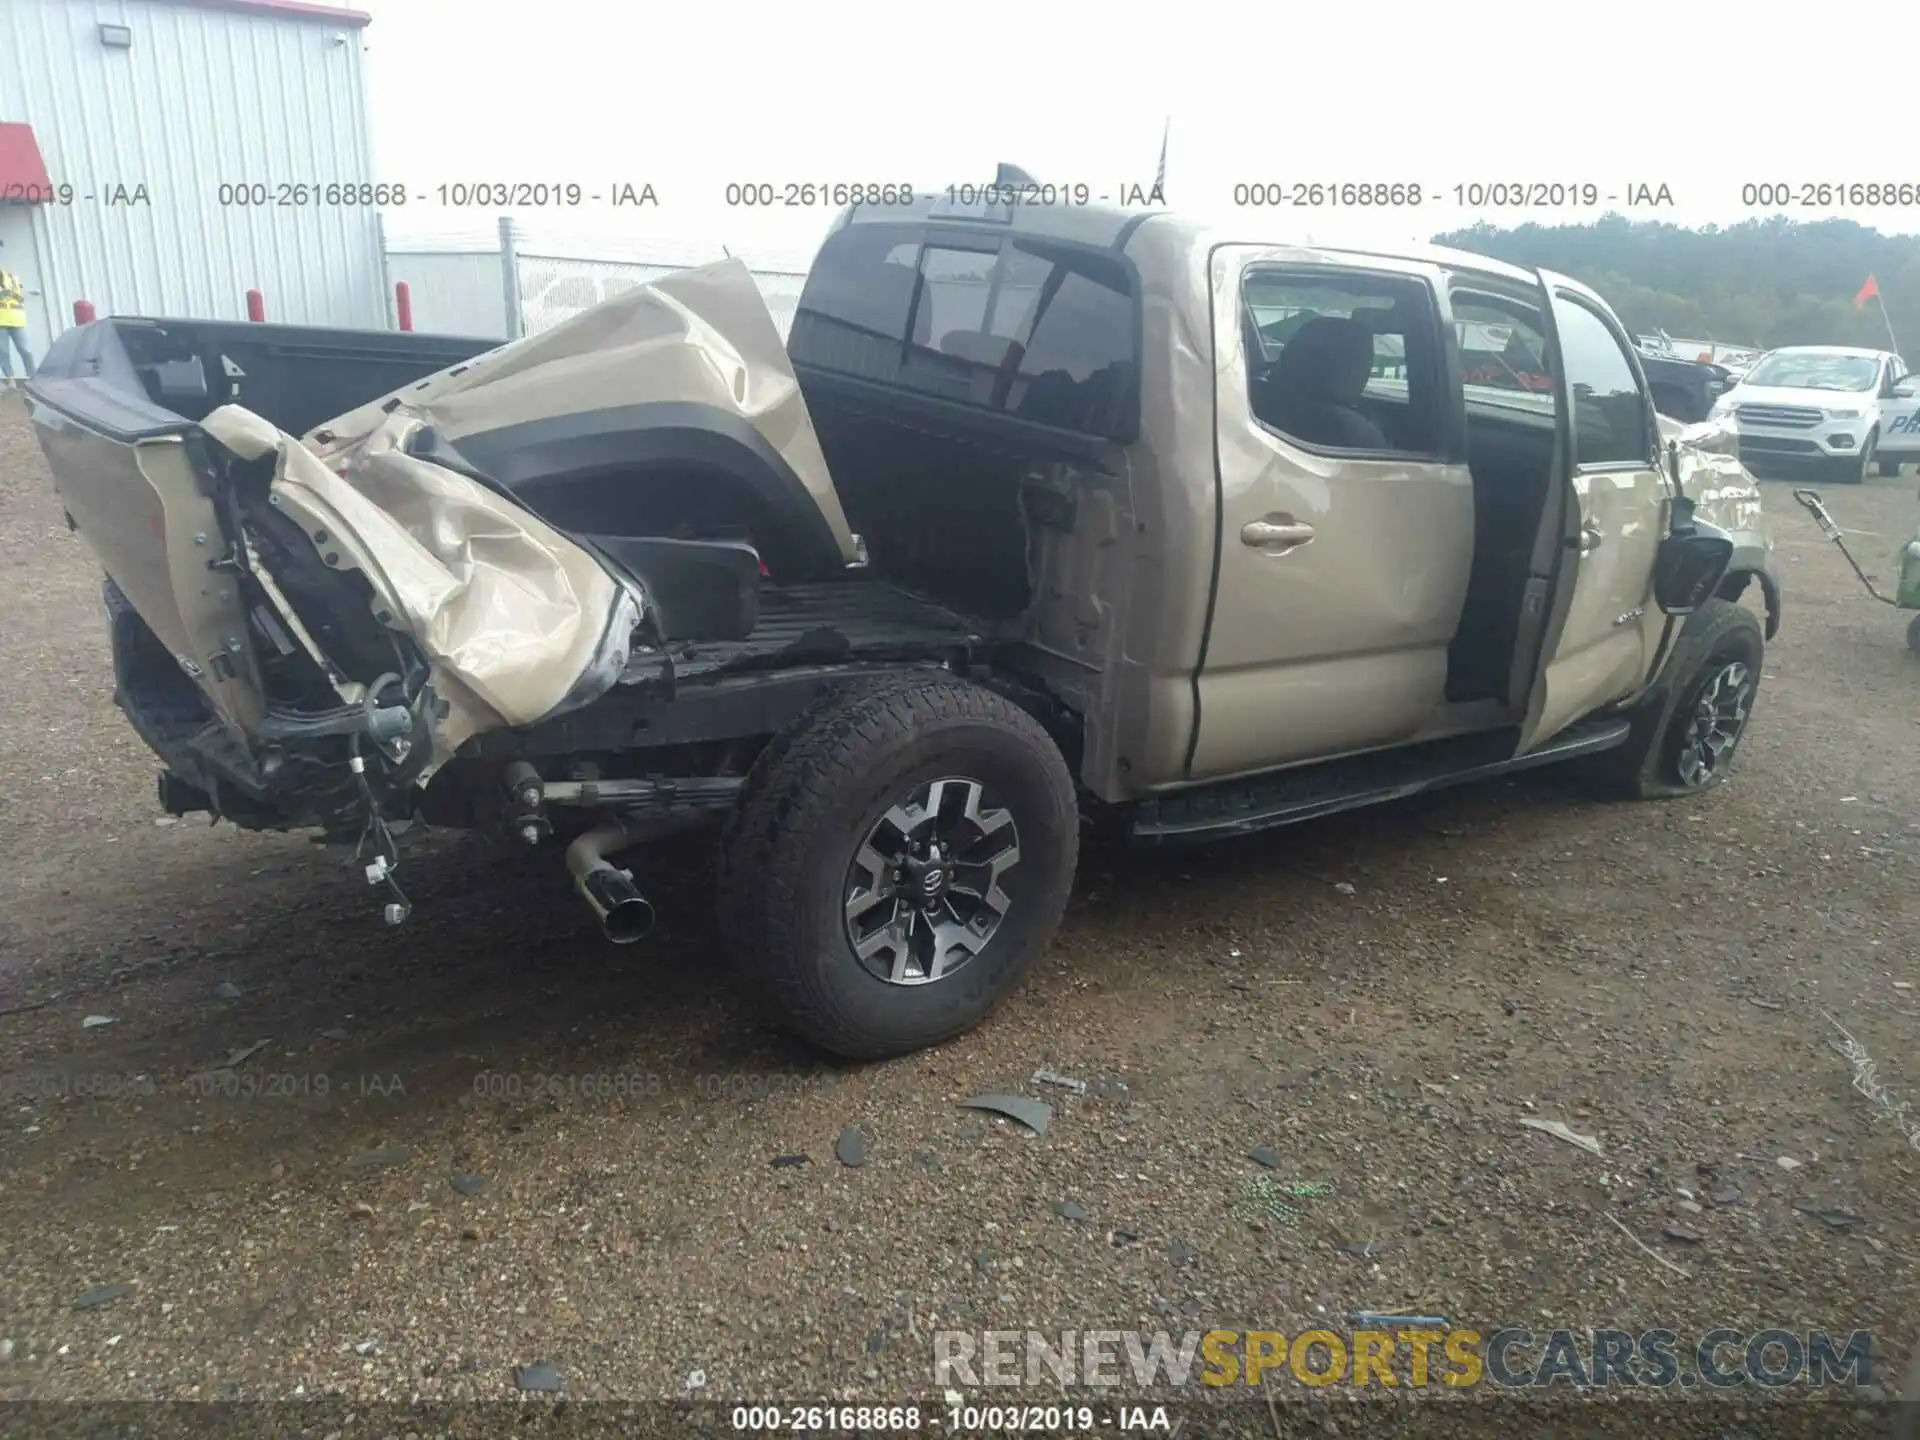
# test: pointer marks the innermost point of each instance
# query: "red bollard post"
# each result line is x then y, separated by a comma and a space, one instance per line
403, 304
83, 312
256, 306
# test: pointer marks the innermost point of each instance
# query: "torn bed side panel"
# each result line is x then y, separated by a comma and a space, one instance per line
698, 337
518, 622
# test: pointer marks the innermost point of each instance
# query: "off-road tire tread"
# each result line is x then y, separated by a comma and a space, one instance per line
771, 839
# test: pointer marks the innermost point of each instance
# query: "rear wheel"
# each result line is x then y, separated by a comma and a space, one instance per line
1913, 634
1683, 741
899, 863
1888, 467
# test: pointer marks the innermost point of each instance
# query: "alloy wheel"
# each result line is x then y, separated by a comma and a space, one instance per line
1714, 728
923, 895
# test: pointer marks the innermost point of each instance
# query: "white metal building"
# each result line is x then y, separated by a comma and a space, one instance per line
138, 139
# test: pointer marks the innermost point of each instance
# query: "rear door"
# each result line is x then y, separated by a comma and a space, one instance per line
1591, 629
1346, 509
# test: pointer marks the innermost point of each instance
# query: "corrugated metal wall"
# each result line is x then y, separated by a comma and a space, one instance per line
203, 97
453, 292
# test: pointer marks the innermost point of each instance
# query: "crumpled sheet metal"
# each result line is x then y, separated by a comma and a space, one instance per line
700, 336
519, 622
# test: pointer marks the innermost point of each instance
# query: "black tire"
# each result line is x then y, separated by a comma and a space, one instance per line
1913, 634
815, 798
1653, 762
1886, 467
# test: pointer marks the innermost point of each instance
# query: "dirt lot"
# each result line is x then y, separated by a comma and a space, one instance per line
1377, 1000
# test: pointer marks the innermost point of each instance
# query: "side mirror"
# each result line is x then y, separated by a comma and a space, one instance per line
1903, 391
1689, 567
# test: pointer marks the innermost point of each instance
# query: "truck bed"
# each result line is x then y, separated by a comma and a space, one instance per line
821, 623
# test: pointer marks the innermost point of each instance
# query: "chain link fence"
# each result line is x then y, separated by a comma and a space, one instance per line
465, 284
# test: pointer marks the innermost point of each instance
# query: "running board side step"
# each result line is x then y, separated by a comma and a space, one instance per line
1285, 797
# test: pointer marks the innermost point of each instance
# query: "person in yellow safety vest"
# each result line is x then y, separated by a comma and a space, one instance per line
13, 324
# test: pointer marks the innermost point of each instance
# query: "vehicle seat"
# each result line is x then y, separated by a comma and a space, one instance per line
1314, 388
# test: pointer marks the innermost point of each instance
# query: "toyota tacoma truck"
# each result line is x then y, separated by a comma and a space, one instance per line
1033, 525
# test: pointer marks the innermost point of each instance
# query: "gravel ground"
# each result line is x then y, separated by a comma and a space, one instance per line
1376, 1000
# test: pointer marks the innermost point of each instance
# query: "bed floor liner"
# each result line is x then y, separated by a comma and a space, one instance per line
816, 624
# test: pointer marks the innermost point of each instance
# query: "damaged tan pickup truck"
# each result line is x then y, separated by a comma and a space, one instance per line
1040, 518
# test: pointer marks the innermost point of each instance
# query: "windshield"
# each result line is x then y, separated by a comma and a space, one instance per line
1811, 370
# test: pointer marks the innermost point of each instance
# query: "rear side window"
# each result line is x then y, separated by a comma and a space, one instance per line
1610, 425
1341, 361
1045, 333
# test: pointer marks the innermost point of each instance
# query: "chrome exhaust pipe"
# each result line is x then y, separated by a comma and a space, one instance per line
625, 914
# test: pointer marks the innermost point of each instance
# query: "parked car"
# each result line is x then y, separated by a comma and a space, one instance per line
1031, 526
1830, 410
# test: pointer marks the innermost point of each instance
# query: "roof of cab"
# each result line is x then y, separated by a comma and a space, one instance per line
1109, 226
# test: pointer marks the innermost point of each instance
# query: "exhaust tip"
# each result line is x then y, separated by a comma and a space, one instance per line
625, 914
628, 921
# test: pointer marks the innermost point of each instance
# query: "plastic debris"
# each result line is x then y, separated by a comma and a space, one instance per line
1559, 1131
1832, 1219
1044, 1076
1034, 1114
1382, 1317
94, 1022
102, 1295
539, 1376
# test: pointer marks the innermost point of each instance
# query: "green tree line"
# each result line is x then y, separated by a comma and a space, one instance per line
1762, 282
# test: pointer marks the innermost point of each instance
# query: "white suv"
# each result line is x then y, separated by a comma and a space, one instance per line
1827, 408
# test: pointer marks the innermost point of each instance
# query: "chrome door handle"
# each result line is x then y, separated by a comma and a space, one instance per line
1283, 533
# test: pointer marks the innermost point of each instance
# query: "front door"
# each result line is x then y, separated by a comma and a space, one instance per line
19, 254
1601, 628
1346, 510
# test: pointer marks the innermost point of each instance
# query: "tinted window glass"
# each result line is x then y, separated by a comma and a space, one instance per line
1343, 362
1502, 347
1609, 412
853, 310
1078, 369
1048, 336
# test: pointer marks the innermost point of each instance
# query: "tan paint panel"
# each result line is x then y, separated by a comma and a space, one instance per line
1339, 644
699, 336
139, 508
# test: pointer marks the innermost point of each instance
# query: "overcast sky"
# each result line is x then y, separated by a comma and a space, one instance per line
689, 97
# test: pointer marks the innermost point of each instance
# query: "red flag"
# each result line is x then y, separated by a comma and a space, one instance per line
1868, 291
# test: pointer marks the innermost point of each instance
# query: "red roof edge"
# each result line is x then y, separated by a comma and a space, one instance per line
23, 172
287, 10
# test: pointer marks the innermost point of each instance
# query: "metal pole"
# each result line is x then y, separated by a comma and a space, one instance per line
256, 306
1887, 319
510, 278
403, 304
